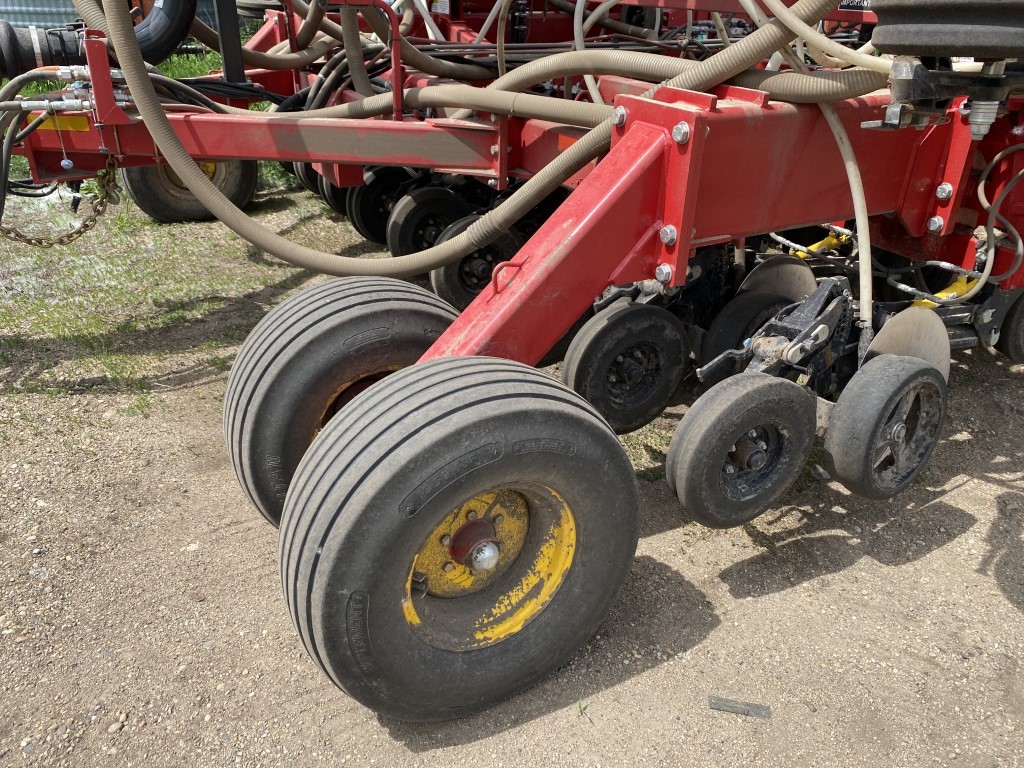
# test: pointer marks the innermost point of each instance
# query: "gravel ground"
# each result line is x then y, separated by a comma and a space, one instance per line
141, 620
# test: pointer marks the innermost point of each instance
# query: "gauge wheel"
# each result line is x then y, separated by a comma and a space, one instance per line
885, 425
457, 538
306, 360
368, 207
163, 196
307, 174
462, 281
334, 196
740, 447
1011, 335
740, 319
419, 218
627, 361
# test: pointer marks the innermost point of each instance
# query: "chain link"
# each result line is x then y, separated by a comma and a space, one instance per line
108, 193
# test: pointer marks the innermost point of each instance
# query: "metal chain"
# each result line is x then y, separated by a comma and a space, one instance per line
108, 194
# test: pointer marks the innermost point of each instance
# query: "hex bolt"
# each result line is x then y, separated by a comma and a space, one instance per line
752, 433
446, 540
492, 183
668, 235
681, 133
934, 224
944, 191
497, 519
730, 469
619, 116
448, 567
663, 272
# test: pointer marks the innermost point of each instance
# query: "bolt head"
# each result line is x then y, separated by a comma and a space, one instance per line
492, 183
484, 556
934, 224
899, 432
681, 133
663, 273
619, 116
944, 191
668, 235
730, 469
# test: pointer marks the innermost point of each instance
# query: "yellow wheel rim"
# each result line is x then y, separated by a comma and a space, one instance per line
455, 606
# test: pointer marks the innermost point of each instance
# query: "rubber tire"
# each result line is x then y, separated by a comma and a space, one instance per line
290, 366
369, 207
860, 414
334, 196
162, 199
406, 233
739, 319
308, 176
606, 336
693, 465
347, 537
449, 281
1011, 337
165, 28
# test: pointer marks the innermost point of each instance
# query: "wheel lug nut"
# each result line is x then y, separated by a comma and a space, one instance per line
752, 433
730, 469
446, 539
498, 519
762, 444
448, 567
471, 515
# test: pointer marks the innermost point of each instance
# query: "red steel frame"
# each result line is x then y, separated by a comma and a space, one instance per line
750, 166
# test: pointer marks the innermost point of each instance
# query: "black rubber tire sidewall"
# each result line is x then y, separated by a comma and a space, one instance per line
294, 360
737, 322
409, 212
363, 557
334, 196
157, 195
363, 204
599, 341
447, 281
695, 455
164, 28
858, 415
1011, 336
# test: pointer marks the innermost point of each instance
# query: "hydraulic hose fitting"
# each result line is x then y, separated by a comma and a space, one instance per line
22, 50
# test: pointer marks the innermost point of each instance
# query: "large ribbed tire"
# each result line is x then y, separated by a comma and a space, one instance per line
306, 360
740, 447
454, 453
162, 196
1011, 336
164, 28
885, 424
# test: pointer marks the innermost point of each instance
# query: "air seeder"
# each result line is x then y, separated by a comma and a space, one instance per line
812, 205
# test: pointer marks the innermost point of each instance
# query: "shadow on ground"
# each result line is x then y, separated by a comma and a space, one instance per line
830, 539
26, 363
658, 615
1004, 560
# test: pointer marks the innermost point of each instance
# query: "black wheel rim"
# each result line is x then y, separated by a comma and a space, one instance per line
905, 438
635, 373
476, 269
755, 460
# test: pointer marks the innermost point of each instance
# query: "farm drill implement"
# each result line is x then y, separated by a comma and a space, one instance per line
810, 204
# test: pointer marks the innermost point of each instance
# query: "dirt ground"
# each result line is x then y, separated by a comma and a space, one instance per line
142, 624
